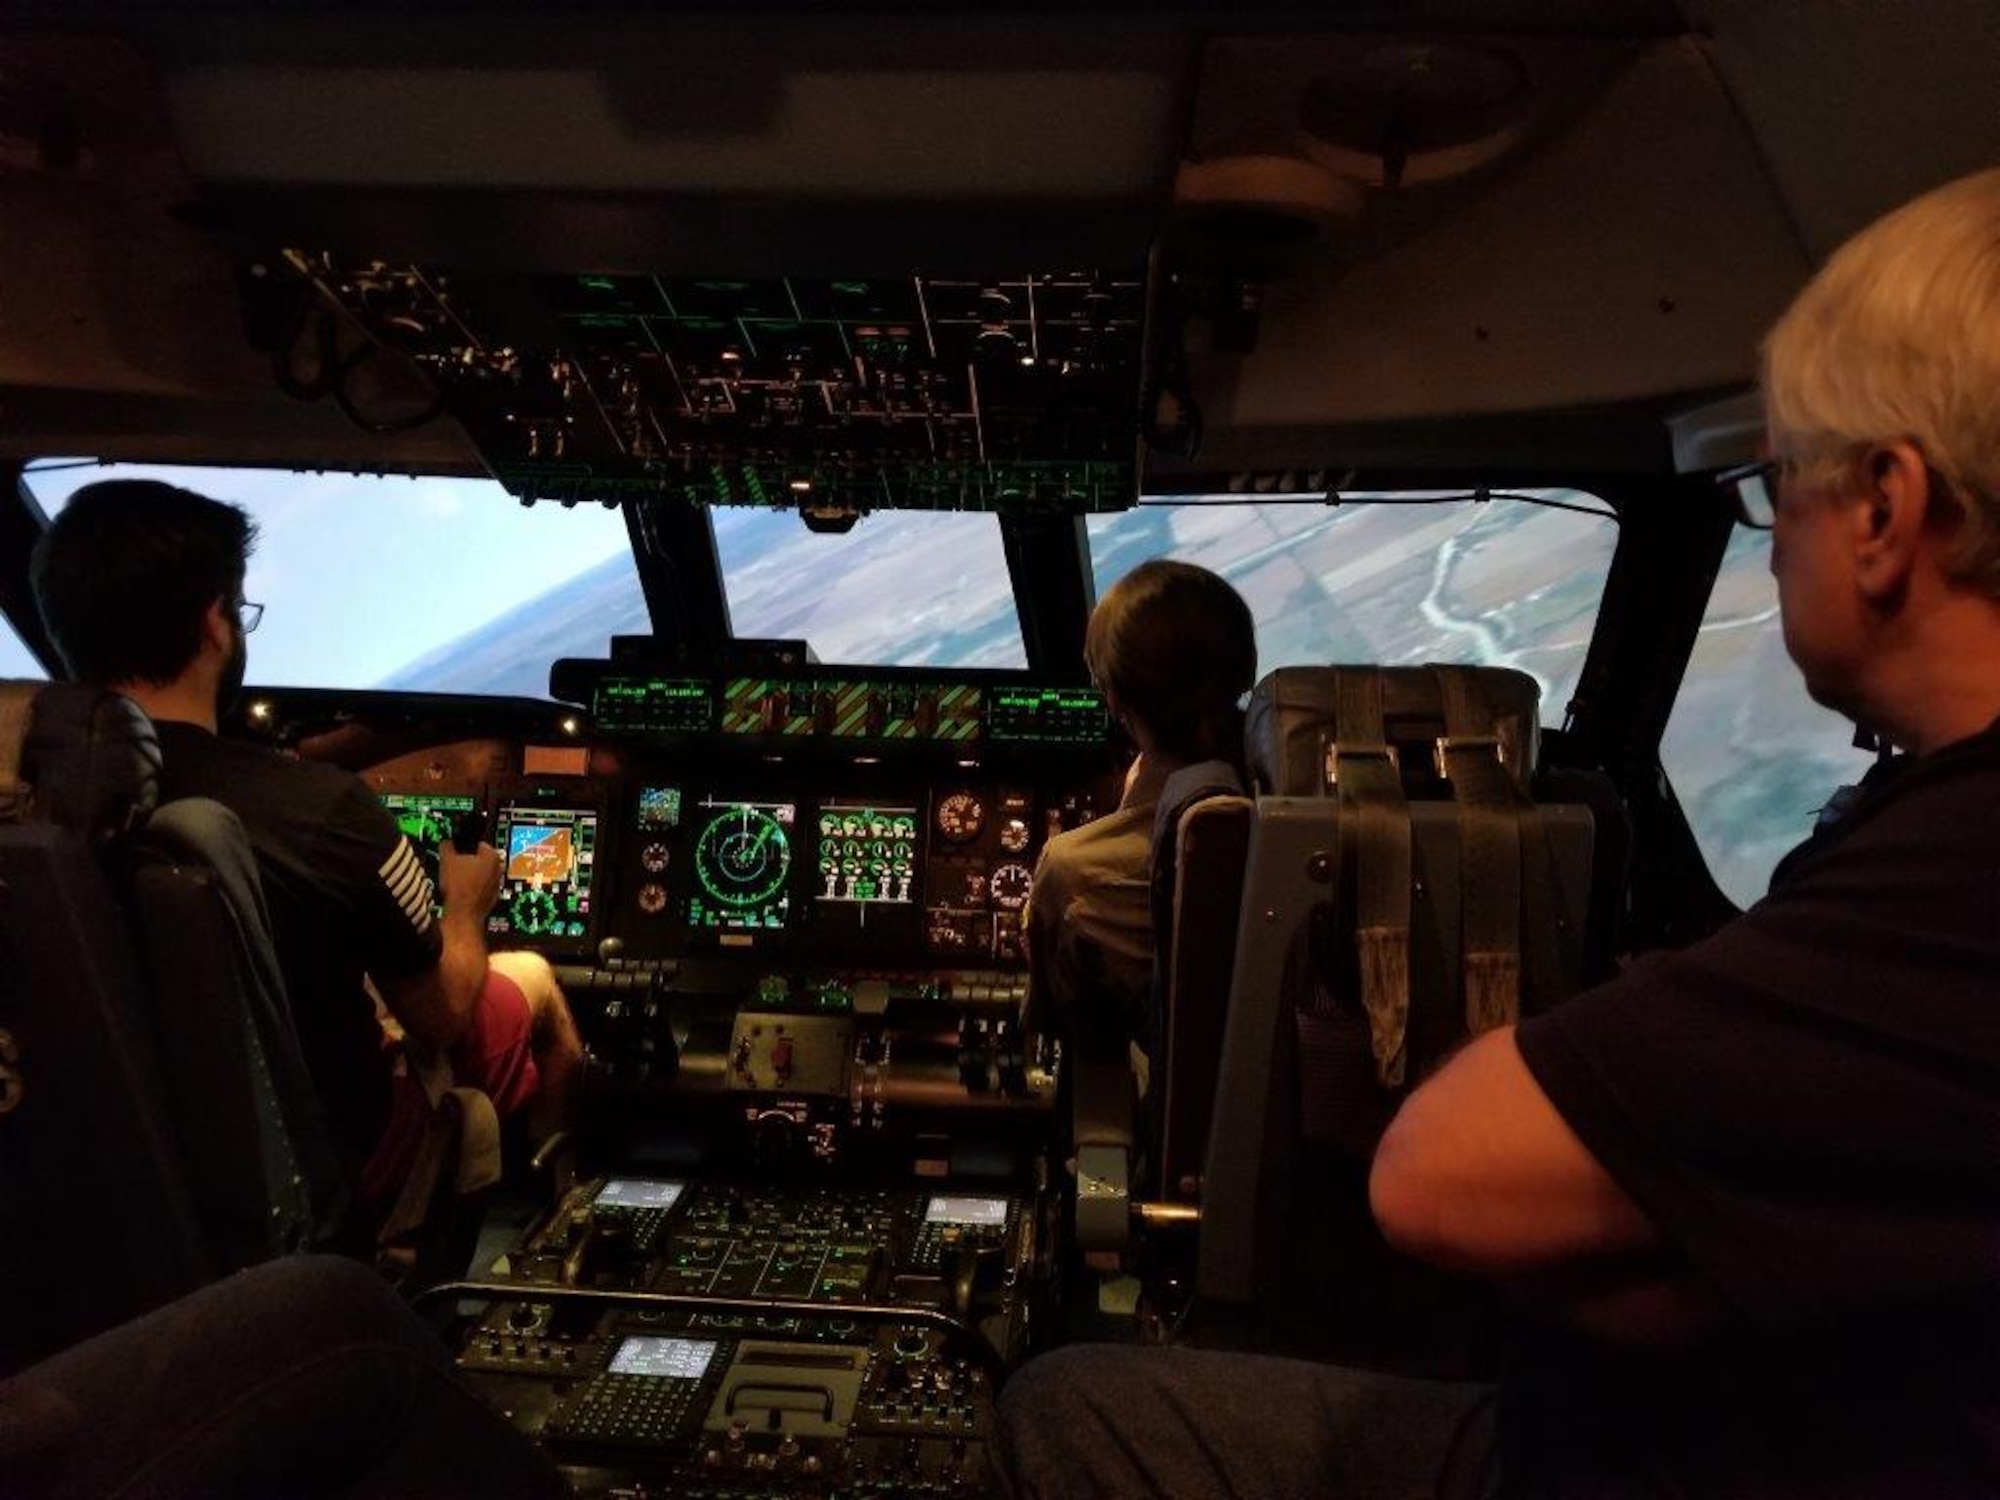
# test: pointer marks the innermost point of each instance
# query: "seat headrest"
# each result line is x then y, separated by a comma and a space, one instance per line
1294, 713
1184, 788
78, 757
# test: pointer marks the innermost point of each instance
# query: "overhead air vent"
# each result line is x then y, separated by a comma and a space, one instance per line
1299, 147
1414, 114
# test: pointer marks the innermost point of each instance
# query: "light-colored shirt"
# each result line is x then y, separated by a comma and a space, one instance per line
1090, 920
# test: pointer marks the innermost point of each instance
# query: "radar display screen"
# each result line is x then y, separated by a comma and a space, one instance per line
742, 859
427, 820
663, 1358
980, 1212
867, 855
550, 856
659, 807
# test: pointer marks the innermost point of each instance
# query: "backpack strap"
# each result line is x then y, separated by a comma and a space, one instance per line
1491, 808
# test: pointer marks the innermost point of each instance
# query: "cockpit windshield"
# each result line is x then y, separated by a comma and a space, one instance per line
15, 658
1395, 579
441, 584
430, 584
903, 588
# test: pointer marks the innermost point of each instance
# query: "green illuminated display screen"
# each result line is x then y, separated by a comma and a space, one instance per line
742, 865
550, 858
867, 855
661, 705
427, 820
1048, 715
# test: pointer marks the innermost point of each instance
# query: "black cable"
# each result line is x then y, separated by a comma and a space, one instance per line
381, 426
1335, 500
335, 371
284, 361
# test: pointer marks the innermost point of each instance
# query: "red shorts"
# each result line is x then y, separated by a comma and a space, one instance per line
493, 1056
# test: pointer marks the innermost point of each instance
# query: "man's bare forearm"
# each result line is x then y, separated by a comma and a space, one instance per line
461, 970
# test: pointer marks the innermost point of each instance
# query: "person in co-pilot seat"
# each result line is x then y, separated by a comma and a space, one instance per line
141, 585
1173, 649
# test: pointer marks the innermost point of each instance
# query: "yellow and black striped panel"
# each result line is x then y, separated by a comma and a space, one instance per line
947, 713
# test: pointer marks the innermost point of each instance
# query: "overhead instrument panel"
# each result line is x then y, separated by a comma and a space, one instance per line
742, 866
1012, 392
549, 867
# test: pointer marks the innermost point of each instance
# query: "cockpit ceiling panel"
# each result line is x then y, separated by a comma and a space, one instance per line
925, 106
836, 397
1636, 251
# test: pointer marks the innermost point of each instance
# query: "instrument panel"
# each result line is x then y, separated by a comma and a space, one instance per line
865, 864
794, 952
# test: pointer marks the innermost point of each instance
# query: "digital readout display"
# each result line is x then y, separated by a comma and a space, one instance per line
663, 1358
638, 1192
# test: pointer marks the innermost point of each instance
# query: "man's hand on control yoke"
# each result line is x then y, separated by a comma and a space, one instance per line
469, 883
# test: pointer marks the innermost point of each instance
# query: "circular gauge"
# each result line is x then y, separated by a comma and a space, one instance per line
960, 817
1009, 885
1014, 835
652, 898
902, 826
532, 911
829, 825
742, 857
654, 858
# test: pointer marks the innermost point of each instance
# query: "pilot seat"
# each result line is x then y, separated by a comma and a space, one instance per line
1401, 888
157, 1125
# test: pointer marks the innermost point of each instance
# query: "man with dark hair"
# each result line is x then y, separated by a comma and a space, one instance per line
1748, 1192
141, 585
